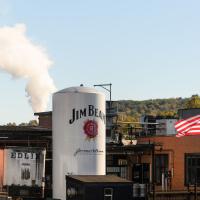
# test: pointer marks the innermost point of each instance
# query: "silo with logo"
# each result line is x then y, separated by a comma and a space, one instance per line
78, 135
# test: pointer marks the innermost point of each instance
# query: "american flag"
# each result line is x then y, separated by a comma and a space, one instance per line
189, 126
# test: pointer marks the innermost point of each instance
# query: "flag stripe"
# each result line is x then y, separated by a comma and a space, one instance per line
184, 124
189, 126
179, 135
188, 120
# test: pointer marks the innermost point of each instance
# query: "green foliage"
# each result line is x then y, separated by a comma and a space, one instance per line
33, 123
30, 123
23, 124
156, 107
193, 102
11, 124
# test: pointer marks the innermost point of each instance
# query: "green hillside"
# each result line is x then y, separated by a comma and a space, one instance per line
133, 110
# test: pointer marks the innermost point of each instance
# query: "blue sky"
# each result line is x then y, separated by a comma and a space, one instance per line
146, 49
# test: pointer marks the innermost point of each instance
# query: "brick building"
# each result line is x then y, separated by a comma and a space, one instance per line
177, 157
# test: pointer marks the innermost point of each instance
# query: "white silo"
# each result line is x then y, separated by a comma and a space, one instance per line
78, 135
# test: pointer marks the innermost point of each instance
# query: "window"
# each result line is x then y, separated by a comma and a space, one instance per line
192, 169
108, 132
161, 167
117, 165
140, 173
109, 160
120, 171
108, 193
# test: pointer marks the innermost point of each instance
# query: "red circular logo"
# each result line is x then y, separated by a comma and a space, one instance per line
91, 128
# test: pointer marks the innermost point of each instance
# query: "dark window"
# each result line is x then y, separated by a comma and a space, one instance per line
109, 160
108, 193
116, 160
140, 173
108, 132
192, 168
120, 171
117, 165
161, 167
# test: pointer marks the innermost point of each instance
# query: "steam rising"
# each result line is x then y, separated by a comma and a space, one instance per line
23, 59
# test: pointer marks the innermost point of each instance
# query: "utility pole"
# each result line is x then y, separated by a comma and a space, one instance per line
104, 86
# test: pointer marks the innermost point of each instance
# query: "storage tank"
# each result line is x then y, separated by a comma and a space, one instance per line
78, 135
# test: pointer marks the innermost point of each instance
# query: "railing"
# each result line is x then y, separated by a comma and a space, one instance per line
192, 193
175, 195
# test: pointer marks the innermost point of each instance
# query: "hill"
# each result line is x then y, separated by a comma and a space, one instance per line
132, 110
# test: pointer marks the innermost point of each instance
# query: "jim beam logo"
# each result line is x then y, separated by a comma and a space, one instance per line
89, 111
90, 127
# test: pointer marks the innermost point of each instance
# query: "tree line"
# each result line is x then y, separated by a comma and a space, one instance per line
130, 110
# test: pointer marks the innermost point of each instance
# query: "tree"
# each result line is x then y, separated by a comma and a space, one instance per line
30, 123
193, 102
33, 123
11, 124
23, 124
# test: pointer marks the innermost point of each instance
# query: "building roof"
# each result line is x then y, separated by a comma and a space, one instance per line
79, 89
24, 128
24, 132
43, 113
99, 178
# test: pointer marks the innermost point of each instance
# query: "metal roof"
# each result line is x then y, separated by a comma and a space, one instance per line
98, 178
24, 128
24, 132
43, 113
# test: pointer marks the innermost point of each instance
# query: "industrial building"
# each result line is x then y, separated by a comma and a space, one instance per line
158, 163
175, 160
21, 148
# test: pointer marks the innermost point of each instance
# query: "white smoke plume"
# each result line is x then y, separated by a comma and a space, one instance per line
23, 59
